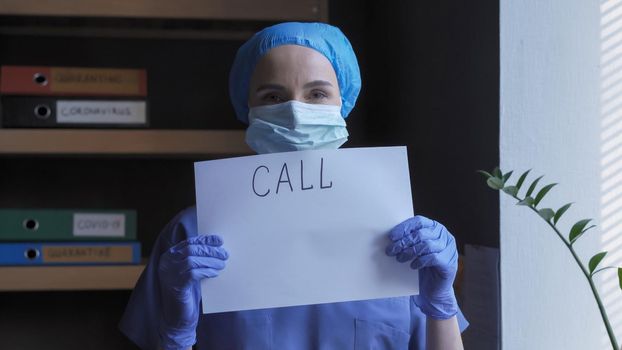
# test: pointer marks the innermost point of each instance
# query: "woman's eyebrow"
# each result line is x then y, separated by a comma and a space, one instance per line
270, 87
317, 83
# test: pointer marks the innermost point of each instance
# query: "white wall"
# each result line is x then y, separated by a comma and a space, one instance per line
557, 119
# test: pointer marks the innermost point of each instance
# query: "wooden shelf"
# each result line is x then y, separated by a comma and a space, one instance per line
122, 142
270, 10
120, 32
53, 278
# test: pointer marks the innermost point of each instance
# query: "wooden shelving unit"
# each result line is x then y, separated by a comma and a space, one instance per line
122, 142
97, 19
57, 278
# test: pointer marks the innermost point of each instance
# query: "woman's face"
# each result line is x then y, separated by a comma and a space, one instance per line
293, 72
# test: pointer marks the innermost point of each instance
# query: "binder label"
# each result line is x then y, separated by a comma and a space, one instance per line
95, 80
98, 225
87, 254
101, 112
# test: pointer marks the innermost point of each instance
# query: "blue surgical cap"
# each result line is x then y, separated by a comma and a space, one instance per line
324, 38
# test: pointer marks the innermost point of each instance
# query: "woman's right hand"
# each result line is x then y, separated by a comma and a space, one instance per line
180, 269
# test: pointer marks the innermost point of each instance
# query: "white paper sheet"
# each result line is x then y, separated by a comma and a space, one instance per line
305, 245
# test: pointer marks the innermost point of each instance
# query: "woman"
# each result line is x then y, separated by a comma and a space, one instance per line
294, 84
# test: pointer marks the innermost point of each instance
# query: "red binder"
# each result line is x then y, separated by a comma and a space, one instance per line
59, 81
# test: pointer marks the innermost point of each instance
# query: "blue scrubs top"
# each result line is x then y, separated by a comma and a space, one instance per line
392, 323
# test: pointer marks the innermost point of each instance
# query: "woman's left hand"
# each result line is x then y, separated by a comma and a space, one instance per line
433, 252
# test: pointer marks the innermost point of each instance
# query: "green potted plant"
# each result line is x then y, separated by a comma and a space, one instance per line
497, 180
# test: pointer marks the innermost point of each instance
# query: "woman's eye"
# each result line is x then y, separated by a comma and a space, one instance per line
272, 98
318, 95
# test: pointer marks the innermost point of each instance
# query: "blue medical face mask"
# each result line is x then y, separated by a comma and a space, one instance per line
295, 126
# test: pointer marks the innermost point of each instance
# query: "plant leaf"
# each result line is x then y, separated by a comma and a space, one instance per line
587, 228
546, 213
577, 229
542, 193
595, 260
620, 276
560, 212
528, 201
522, 178
485, 173
495, 183
506, 177
511, 190
496, 172
533, 186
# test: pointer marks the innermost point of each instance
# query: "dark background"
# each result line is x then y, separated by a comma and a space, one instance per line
430, 75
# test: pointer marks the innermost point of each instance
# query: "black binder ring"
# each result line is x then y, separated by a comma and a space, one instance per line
32, 253
43, 111
31, 224
40, 79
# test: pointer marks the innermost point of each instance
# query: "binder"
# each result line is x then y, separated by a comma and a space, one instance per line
49, 112
36, 80
67, 225
69, 253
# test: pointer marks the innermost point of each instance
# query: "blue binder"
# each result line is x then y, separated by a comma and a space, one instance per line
69, 253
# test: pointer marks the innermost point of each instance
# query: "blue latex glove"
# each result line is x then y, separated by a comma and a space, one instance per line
432, 250
180, 269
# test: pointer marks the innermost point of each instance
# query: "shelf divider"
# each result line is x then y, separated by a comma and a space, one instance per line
66, 278
266, 10
120, 142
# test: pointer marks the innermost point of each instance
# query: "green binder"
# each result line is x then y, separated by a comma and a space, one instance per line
67, 225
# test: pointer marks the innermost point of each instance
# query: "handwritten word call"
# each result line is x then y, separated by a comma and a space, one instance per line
286, 181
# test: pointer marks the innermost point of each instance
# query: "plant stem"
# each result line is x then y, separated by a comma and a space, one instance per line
601, 307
